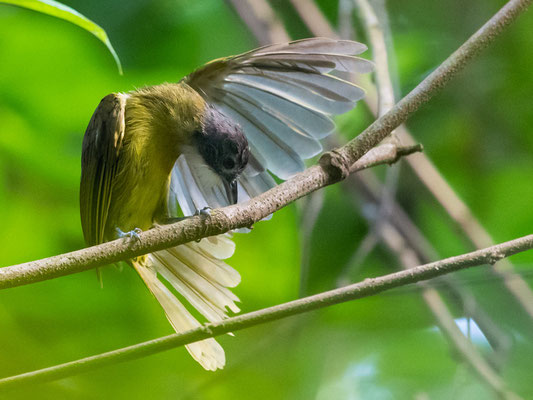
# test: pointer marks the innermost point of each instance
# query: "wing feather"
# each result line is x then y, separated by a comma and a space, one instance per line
310, 62
102, 144
207, 352
279, 157
282, 95
315, 45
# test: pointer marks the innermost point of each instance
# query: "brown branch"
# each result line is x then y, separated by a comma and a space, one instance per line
385, 101
387, 153
366, 288
334, 166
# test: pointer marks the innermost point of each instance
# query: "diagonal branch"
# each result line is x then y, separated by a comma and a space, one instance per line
334, 166
366, 288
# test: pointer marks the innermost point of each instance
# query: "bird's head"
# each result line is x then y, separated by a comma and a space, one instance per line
224, 148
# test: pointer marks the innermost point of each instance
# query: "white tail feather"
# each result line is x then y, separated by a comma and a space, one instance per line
197, 273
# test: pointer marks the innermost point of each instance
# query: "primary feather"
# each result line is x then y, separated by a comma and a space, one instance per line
282, 95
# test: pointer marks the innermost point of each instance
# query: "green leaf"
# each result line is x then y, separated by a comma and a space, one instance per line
66, 13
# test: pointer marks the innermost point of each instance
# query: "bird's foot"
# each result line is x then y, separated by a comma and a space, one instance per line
205, 212
133, 234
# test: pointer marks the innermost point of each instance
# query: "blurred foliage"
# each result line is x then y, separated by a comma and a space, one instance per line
477, 131
58, 10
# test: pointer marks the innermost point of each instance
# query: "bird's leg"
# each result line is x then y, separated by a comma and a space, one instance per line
205, 212
133, 234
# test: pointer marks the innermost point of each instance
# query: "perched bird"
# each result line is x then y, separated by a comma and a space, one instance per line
166, 151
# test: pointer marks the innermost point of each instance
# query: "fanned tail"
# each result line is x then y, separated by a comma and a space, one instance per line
196, 271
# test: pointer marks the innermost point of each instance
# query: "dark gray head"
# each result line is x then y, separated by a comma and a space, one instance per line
224, 148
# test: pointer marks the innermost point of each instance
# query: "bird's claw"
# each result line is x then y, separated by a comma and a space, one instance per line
205, 212
133, 234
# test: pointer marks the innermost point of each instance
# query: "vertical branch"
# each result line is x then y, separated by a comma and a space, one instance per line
345, 19
385, 93
376, 37
394, 238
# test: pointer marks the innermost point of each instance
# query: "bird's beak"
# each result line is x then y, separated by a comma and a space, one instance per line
231, 190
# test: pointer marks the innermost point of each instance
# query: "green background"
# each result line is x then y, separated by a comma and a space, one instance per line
478, 131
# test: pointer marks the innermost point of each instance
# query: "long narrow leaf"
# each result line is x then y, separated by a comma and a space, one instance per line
66, 13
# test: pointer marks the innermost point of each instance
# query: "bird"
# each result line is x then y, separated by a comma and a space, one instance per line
216, 137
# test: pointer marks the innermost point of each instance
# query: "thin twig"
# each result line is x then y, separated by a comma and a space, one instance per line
387, 153
368, 287
346, 30
385, 97
380, 56
357, 260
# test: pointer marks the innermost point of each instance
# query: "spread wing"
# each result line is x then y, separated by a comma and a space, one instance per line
100, 151
282, 95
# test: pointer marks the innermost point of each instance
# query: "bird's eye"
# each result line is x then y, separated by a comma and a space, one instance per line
228, 163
